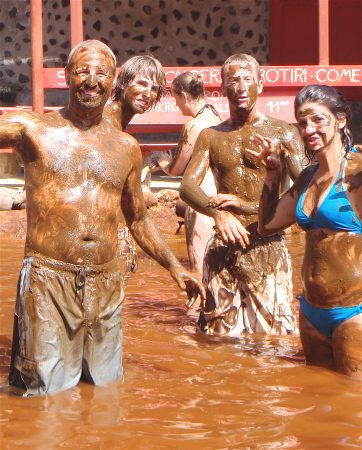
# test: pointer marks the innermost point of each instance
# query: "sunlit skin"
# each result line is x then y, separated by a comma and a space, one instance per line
137, 97
332, 265
222, 148
314, 123
189, 133
198, 227
82, 173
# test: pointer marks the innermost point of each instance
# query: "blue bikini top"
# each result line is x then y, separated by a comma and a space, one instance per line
335, 212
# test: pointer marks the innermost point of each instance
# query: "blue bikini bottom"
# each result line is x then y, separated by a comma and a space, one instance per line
327, 320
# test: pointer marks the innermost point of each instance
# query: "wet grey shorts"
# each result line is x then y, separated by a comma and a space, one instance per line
68, 320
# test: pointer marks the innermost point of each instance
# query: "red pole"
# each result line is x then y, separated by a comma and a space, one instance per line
323, 22
36, 24
76, 22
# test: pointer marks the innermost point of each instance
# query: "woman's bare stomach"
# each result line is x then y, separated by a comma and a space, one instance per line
332, 268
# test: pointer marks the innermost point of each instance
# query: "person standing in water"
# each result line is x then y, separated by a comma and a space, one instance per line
81, 173
247, 276
140, 85
325, 201
188, 91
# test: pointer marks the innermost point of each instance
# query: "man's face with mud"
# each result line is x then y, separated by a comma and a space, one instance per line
91, 77
140, 94
241, 85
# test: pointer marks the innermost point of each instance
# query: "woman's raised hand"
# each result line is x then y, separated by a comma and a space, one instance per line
267, 153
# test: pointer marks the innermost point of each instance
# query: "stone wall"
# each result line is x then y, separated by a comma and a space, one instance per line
177, 32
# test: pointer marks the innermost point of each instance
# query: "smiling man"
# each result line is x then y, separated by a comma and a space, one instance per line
247, 277
140, 85
82, 173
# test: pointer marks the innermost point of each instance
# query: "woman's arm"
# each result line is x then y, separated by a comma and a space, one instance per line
177, 165
275, 214
353, 180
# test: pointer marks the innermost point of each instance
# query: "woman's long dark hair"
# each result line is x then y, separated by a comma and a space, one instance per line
334, 101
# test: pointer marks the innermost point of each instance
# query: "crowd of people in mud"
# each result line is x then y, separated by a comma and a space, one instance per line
83, 175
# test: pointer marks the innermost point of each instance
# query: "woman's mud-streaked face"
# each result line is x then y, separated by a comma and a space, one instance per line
317, 126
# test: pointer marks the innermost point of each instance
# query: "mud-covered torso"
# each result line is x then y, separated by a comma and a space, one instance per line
74, 186
332, 268
235, 170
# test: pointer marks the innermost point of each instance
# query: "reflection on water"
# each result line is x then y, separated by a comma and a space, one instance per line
183, 390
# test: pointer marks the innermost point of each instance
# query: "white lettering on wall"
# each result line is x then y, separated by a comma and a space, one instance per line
61, 76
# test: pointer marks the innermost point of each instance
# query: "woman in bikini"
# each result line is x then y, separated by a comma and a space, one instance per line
325, 201
188, 91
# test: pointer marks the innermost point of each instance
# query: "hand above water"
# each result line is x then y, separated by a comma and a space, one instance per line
190, 284
267, 155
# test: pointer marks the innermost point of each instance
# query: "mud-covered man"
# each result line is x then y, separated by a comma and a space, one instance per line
81, 173
140, 85
247, 276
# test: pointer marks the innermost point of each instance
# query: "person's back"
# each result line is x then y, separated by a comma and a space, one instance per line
188, 91
199, 227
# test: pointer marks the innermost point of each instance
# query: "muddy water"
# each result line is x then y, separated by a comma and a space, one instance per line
183, 390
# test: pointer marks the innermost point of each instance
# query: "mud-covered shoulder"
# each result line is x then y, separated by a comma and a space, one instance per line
129, 142
113, 114
353, 172
17, 128
354, 158
25, 117
285, 129
357, 148
301, 181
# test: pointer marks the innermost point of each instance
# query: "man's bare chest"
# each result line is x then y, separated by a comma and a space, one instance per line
77, 157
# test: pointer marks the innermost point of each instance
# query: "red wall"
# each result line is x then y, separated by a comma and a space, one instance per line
294, 32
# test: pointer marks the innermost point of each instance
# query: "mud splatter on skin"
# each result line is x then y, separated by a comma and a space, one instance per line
353, 181
241, 87
313, 196
318, 120
332, 269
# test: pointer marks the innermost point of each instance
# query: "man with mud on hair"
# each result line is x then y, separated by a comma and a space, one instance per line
82, 173
140, 85
247, 277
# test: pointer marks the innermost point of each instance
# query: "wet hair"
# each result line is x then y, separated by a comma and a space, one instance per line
189, 82
91, 45
240, 57
145, 65
333, 100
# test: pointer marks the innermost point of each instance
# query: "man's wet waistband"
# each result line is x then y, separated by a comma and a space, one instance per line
54, 264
